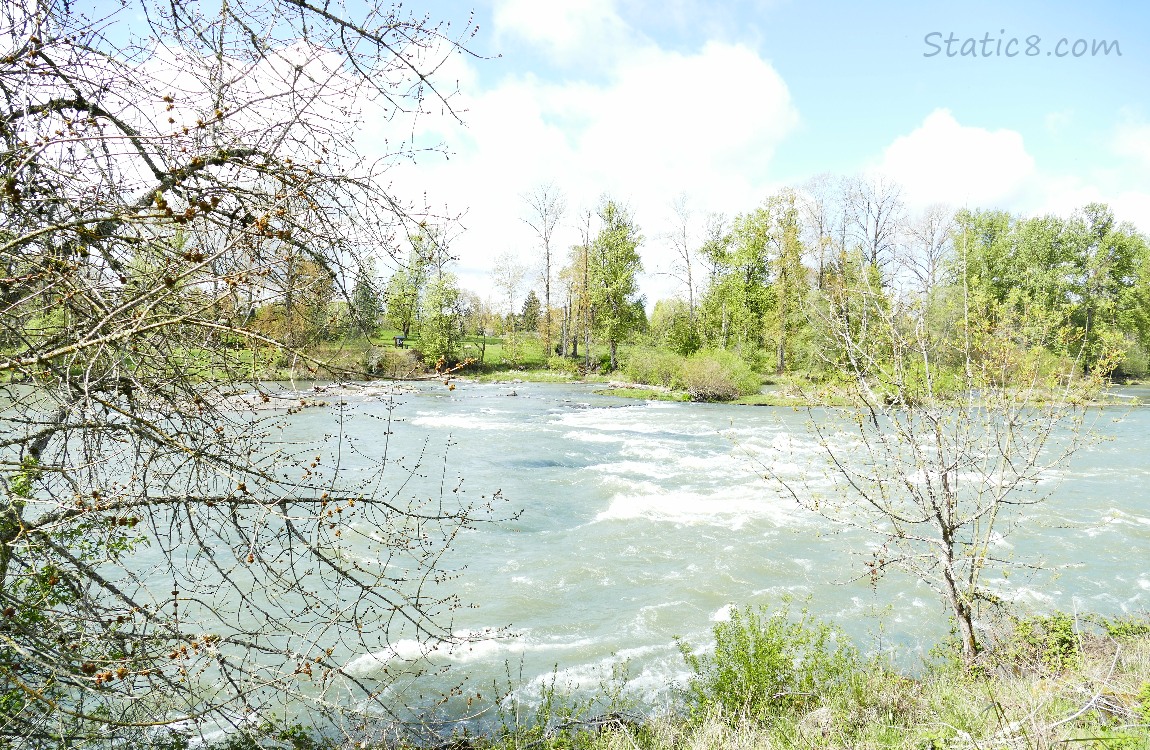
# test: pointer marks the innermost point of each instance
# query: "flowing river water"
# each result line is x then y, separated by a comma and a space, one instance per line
643, 521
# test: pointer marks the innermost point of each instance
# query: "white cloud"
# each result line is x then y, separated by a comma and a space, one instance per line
1122, 187
945, 161
942, 161
1066, 194
1133, 206
662, 123
563, 28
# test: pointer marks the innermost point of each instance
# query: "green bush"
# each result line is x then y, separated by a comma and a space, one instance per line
653, 367
768, 665
1124, 627
1135, 361
563, 364
395, 363
1043, 643
718, 376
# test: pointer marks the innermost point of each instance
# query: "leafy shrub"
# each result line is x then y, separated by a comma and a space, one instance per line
718, 376
396, 363
1135, 361
1047, 643
768, 665
653, 367
562, 717
1125, 626
563, 364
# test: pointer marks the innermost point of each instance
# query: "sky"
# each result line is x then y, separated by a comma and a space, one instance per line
974, 104
645, 100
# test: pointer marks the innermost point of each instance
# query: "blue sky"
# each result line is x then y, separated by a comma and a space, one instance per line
727, 102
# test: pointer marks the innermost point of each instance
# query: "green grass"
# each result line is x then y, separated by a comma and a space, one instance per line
647, 394
780, 680
505, 374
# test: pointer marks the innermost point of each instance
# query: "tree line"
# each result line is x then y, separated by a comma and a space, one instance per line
765, 283
759, 284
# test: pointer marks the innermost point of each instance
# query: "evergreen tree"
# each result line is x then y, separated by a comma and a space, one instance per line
366, 305
532, 309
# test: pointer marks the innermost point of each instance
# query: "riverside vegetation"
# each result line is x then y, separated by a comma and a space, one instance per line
776, 679
767, 300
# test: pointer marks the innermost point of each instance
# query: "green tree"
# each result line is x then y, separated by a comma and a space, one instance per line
530, 317
1105, 263
671, 327
366, 305
403, 294
614, 263
442, 330
1086, 271
789, 277
576, 324
737, 302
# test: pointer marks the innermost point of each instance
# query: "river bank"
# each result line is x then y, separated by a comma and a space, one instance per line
1046, 682
794, 391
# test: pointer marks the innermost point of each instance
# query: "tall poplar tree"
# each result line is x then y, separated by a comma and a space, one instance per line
615, 262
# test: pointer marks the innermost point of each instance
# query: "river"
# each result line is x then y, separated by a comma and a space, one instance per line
643, 521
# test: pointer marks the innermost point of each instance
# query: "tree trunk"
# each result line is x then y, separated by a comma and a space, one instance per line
547, 353
690, 288
11, 524
614, 358
587, 345
563, 332
781, 365
1086, 361
963, 616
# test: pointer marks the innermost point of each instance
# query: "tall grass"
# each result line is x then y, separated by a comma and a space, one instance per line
776, 680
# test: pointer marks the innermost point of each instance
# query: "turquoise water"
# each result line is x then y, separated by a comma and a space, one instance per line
643, 521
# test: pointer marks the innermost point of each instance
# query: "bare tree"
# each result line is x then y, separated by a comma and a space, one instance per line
682, 267
508, 275
875, 214
165, 556
583, 312
823, 222
547, 205
928, 247
942, 452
